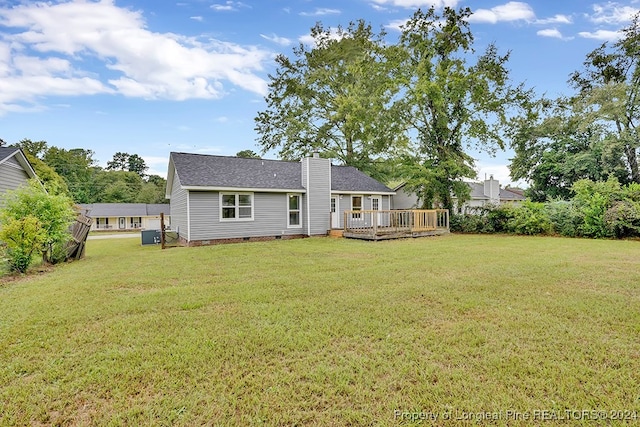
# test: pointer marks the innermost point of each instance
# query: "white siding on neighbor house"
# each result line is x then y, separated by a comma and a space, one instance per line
153, 222
12, 175
146, 223
269, 217
179, 217
316, 178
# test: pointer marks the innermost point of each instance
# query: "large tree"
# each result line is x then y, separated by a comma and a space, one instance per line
128, 162
608, 93
34, 151
78, 168
452, 100
553, 150
333, 97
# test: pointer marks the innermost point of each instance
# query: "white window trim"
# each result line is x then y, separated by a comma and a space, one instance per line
237, 206
299, 210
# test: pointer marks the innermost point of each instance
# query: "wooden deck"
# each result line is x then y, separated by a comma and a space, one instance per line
395, 224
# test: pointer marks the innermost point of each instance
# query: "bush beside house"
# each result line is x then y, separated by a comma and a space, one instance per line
34, 221
597, 210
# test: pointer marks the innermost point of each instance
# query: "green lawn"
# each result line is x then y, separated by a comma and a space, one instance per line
327, 331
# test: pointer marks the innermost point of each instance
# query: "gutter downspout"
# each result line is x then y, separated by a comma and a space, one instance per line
308, 197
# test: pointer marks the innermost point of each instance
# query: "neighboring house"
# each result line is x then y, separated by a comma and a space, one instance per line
482, 194
126, 216
225, 199
15, 169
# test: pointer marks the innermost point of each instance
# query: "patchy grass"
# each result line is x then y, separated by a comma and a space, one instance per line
326, 332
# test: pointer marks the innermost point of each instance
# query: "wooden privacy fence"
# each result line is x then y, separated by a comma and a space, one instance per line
79, 232
389, 224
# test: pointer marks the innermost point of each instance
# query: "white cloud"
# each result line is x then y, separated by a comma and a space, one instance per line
603, 35
283, 41
396, 24
557, 19
197, 18
512, 11
321, 11
229, 6
40, 57
409, 4
612, 13
551, 32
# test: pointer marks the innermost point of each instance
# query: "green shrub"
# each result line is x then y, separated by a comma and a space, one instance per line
564, 217
593, 212
530, 218
623, 219
470, 223
24, 238
55, 213
498, 217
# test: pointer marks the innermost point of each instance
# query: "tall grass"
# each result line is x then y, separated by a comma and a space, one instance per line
325, 332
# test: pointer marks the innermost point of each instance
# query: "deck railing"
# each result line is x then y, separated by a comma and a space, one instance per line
396, 221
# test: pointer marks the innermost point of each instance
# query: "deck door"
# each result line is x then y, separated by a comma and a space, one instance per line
335, 212
376, 205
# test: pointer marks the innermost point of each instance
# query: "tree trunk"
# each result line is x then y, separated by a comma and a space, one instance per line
632, 159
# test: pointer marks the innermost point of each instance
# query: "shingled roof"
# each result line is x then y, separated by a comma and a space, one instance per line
209, 171
350, 179
107, 210
201, 170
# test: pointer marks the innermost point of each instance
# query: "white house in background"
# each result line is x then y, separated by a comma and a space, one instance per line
486, 193
15, 169
126, 216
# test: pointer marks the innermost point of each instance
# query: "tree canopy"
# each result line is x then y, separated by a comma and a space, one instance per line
76, 173
357, 98
334, 97
451, 101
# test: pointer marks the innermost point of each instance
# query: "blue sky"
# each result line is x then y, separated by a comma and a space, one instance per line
149, 76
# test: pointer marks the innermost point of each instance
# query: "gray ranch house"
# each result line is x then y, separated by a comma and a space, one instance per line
15, 169
216, 199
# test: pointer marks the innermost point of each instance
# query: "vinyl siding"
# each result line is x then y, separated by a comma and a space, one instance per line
12, 175
318, 188
269, 217
179, 208
404, 200
344, 204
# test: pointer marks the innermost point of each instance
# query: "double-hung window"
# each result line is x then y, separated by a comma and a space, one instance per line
236, 206
294, 213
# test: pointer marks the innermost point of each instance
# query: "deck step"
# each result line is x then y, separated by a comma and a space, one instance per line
336, 233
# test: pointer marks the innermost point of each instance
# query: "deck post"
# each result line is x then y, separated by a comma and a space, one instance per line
374, 221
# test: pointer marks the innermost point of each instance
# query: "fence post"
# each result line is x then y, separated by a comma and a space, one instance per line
162, 230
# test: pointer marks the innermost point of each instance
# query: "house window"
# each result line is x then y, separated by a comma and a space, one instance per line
136, 222
356, 205
236, 206
102, 223
293, 210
